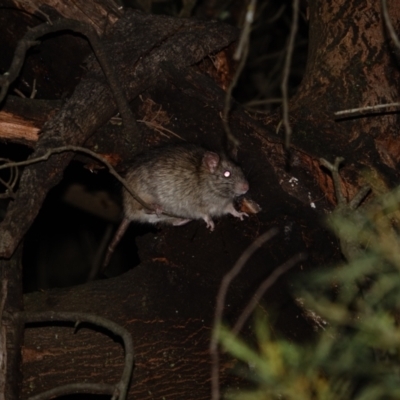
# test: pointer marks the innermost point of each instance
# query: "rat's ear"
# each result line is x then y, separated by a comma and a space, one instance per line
211, 161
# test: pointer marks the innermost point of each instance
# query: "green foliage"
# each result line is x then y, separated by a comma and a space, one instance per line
357, 355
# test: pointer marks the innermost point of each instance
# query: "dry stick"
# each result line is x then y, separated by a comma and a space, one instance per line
389, 25
263, 101
19, 56
187, 7
334, 169
4, 350
34, 90
263, 288
355, 202
159, 128
116, 239
396, 41
277, 15
364, 110
12, 181
29, 40
14, 173
91, 153
119, 391
227, 106
98, 257
240, 54
244, 37
286, 72
75, 388
9, 190
226, 281
79, 149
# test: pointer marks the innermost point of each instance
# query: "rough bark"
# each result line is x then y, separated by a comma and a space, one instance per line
100, 14
351, 64
11, 329
167, 302
22, 119
138, 63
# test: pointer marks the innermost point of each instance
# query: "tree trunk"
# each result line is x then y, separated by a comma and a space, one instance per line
167, 303
11, 328
351, 64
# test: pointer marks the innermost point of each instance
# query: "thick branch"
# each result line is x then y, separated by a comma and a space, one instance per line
11, 328
121, 387
138, 66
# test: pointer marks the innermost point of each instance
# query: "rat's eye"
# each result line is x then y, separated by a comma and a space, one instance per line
227, 174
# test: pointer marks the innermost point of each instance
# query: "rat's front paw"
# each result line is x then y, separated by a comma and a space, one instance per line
241, 215
238, 214
230, 209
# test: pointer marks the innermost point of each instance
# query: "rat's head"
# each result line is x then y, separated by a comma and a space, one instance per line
227, 179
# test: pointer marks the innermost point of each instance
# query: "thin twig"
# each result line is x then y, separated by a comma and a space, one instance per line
79, 149
240, 54
19, 56
34, 90
91, 153
123, 226
286, 73
159, 128
277, 15
355, 202
121, 388
11, 183
226, 281
263, 101
101, 249
244, 37
248, 310
230, 137
365, 110
19, 93
334, 169
389, 25
4, 332
396, 41
9, 193
75, 388
30, 39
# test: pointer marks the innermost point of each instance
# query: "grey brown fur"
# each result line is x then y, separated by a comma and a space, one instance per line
186, 181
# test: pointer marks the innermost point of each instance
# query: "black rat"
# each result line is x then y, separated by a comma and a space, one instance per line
181, 183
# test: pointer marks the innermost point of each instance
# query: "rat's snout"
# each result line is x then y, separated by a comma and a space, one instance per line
242, 187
